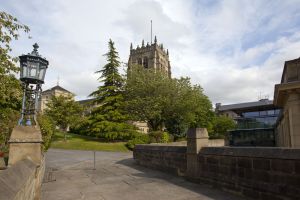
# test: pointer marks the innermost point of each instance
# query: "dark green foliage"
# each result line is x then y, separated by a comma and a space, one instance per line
175, 104
10, 88
159, 137
139, 139
47, 129
221, 124
108, 120
81, 127
64, 111
147, 95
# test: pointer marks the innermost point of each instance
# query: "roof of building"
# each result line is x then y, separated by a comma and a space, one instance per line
86, 101
263, 104
57, 87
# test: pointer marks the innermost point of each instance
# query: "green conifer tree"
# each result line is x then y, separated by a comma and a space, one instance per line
108, 119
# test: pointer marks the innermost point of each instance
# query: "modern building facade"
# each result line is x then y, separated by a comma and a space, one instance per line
269, 123
255, 122
150, 56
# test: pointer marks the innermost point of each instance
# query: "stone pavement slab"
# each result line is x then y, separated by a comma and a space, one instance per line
116, 177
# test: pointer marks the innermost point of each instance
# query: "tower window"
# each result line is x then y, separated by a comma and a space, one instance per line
140, 61
145, 62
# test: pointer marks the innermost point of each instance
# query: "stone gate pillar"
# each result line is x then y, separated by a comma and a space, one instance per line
196, 139
25, 143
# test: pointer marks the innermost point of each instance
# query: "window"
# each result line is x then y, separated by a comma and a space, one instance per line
140, 61
145, 62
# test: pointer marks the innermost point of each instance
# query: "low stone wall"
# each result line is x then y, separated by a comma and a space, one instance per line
22, 181
260, 173
171, 159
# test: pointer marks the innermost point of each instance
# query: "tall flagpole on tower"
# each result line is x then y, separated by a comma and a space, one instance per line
57, 80
151, 31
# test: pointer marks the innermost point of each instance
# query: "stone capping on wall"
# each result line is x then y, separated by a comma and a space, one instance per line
257, 152
160, 147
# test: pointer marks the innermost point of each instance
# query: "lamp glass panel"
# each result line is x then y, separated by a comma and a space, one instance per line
24, 71
33, 72
41, 75
33, 67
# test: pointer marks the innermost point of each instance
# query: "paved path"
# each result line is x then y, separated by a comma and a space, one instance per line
116, 177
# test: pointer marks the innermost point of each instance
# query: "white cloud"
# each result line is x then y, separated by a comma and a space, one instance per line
234, 49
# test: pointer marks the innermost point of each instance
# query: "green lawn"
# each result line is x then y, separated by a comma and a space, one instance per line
79, 142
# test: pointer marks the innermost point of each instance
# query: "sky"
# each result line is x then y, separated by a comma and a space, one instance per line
234, 49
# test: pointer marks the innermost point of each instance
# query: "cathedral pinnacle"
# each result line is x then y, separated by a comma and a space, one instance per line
130, 46
143, 43
155, 40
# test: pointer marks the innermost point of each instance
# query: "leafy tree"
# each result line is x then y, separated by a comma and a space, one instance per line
147, 95
10, 88
175, 104
108, 120
188, 107
64, 111
222, 124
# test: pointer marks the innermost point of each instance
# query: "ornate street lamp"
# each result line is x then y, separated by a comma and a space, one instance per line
33, 70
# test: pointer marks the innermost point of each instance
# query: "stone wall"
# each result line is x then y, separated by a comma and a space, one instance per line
22, 180
260, 173
256, 172
171, 159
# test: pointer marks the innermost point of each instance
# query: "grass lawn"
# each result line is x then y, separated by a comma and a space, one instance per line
79, 142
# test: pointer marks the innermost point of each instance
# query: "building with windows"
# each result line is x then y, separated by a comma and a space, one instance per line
269, 123
150, 56
54, 91
255, 122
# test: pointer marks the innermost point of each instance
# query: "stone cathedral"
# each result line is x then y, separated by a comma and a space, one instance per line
151, 56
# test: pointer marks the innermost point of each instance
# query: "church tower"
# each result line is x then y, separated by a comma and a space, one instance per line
151, 56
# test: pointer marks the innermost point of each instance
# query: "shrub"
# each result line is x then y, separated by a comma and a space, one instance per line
159, 137
47, 129
140, 139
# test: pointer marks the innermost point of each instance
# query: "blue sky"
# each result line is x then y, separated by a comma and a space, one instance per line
235, 49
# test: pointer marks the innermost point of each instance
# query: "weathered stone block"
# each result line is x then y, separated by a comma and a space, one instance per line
268, 196
287, 166
224, 170
260, 163
213, 168
250, 193
227, 160
201, 158
212, 160
297, 166
244, 162
261, 175
278, 178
